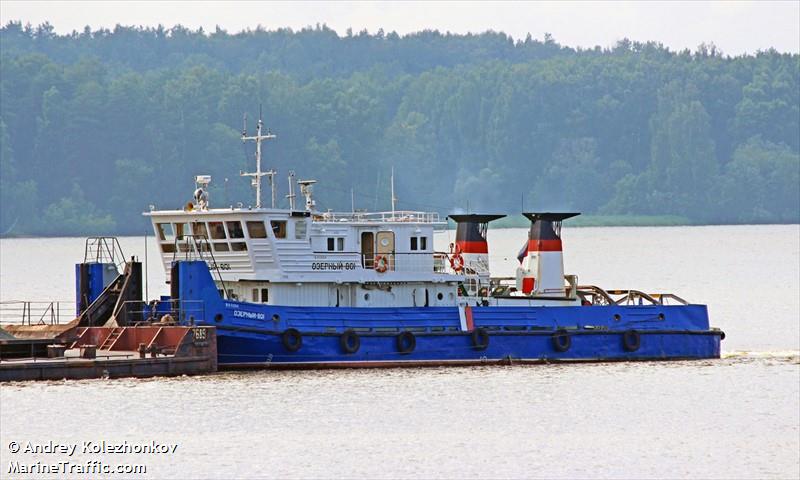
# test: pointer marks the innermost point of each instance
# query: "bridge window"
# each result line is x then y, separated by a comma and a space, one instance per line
168, 247
239, 246
181, 229
217, 230
221, 247
278, 228
256, 230
199, 229
300, 230
235, 229
164, 231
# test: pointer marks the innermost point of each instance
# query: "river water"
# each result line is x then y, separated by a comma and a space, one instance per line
738, 417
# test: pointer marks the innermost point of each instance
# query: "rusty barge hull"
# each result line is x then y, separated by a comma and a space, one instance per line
114, 352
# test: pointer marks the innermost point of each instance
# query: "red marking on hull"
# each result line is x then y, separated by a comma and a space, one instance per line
544, 245
468, 316
472, 247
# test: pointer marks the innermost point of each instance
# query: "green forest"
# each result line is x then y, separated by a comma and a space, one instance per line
97, 126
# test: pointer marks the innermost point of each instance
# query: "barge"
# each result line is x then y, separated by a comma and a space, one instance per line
105, 339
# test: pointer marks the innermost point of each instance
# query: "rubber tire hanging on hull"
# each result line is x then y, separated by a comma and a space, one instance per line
406, 342
562, 341
350, 341
631, 340
292, 339
480, 339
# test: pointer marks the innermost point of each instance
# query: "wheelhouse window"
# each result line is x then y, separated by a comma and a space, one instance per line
235, 229
300, 230
199, 229
239, 247
217, 230
256, 230
164, 231
278, 228
221, 247
181, 230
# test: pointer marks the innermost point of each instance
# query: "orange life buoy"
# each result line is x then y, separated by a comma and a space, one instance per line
457, 262
381, 263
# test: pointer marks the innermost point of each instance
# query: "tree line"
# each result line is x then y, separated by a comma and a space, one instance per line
96, 126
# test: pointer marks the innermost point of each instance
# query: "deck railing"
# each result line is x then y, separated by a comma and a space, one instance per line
181, 311
395, 216
24, 312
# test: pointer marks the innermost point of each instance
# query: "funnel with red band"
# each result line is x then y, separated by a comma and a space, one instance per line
545, 232
542, 264
471, 232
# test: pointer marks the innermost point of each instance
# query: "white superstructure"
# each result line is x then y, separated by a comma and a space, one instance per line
314, 258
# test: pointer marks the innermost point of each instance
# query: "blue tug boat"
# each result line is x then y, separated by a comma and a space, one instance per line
305, 288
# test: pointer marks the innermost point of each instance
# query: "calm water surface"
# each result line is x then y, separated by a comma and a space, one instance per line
738, 417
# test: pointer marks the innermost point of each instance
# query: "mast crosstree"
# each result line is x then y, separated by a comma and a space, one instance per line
258, 138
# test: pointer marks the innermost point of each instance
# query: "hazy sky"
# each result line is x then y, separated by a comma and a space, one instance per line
735, 27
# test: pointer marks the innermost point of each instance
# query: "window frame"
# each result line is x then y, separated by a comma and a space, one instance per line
240, 230
253, 227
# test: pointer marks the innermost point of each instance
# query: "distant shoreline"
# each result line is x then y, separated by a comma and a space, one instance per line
582, 221
621, 221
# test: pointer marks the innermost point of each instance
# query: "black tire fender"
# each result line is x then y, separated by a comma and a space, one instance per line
562, 340
631, 340
406, 342
292, 339
350, 341
480, 338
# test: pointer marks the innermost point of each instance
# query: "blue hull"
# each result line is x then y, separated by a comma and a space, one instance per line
255, 334
240, 349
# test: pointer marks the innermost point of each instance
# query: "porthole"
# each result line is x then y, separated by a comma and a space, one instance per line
276, 317
366, 296
617, 318
218, 317
439, 296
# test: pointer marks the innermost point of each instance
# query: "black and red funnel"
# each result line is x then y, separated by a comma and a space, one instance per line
545, 231
471, 232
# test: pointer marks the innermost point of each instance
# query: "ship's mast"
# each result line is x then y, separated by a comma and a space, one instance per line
258, 138
394, 199
291, 195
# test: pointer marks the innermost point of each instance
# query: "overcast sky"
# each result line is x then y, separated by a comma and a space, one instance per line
735, 27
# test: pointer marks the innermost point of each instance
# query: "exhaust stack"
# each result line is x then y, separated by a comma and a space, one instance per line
541, 270
471, 241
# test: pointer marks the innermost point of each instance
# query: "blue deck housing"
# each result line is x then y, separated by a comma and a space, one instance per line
251, 334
